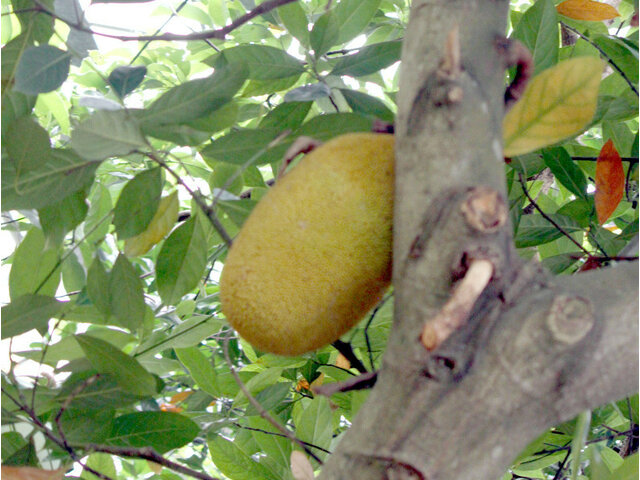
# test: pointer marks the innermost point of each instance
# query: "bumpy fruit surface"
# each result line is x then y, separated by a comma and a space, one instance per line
314, 256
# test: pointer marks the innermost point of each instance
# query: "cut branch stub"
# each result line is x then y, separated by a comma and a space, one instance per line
456, 311
484, 210
570, 318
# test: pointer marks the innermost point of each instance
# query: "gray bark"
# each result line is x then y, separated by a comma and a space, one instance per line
536, 350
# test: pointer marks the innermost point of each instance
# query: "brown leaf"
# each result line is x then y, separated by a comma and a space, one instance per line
609, 181
30, 473
587, 10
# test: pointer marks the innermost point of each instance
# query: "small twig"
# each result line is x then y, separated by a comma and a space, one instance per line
361, 382
602, 52
345, 349
548, 218
276, 434
456, 311
263, 413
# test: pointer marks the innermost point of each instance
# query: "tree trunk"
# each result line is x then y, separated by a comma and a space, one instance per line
535, 350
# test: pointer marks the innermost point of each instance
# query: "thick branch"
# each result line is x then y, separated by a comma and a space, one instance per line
534, 351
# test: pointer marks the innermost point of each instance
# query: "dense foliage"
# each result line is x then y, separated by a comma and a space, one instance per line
126, 170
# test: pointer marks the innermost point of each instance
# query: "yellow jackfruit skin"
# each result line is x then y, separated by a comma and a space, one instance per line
314, 256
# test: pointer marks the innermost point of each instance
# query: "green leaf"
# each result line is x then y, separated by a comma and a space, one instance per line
182, 261
107, 133
264, 62
324, 33
199, 368
535, 229
138, 203
621, 52
627, 471
238, 210
538, 31
308, 93
102, 393
238, 146
234, 463
99, 462
34, 269
559, 263
566, 171
295, 20
106, 358
63, 172
42, 69
126, 294
367, 105
353, 16
15, 105
314, 423
195, 98
124, 80
35, 25
97, 286
275, 447
187, 334
324, 127
369, 59
28, 144
272, 397
59, 218
162, 431
27, 312
287, 115
86, 425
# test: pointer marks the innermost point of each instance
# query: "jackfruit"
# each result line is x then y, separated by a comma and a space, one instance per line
314, 256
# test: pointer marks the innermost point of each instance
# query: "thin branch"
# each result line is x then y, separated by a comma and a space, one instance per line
548, 218
276, 434
602, 52
594, 159
145, 453
148, 42
345, 349
558, 474
70, 252
361, 382
197, 197
208, 34
589, 442
366, 328
263, 413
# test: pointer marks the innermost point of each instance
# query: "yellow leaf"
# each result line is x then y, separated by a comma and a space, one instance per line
557, 103
342, 362
317, 382
161, 224
587, 10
